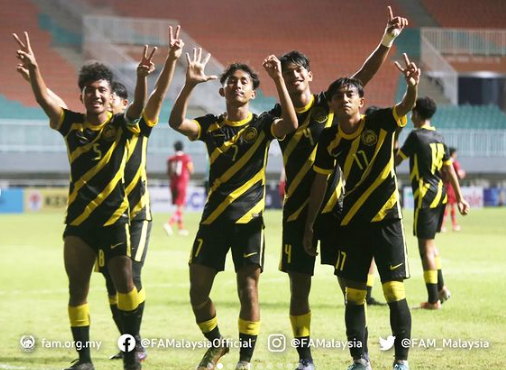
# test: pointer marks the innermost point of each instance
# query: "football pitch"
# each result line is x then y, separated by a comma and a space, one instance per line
469, 332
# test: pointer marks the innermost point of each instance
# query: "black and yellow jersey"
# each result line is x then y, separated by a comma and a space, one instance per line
136, 185
366, 159
97, 157
427, 153
237, 156
299, 152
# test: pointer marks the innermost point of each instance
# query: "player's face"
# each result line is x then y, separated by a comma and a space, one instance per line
346, 102
297, 78
96, 97
239, 87
118, 104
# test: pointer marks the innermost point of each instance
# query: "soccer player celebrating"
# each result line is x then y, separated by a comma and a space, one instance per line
371, 223
97, 211
179, 169
299, 149
428, 160
237, 143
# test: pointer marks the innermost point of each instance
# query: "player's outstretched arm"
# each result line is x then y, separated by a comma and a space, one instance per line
412, 75
50, 106
373, 63
155, 101
288, 122
145, 67
195, 74
454, 180
318, 189
25, 73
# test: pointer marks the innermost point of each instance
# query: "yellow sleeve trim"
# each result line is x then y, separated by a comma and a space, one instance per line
449, 162
402, 155
322, 171
200, 130
60, 120
274, 134
401, 121
149, 122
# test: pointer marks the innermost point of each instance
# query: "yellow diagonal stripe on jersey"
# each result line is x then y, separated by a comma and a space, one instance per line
131, 146
366, 173
303, 171
239, 164
415, 174
102, 196
296, 138
394, 198
257, 209
350, 158
437, 199
144, 201
296, 214
92, 172
226, 146
387, 171
333, 198
260, 176
83, 149
117, 214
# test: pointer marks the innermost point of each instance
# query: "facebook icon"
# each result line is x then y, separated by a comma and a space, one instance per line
126, 343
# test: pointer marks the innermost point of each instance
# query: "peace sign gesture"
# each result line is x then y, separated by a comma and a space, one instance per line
175, 43
195, 73
411, 72
146, 66
25, 53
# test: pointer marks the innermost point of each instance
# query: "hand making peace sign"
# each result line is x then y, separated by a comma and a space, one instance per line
146, 66
411, 72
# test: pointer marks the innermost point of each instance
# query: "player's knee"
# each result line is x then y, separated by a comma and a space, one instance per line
355, 296
394, 291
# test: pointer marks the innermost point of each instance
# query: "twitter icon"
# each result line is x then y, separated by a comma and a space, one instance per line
386, 344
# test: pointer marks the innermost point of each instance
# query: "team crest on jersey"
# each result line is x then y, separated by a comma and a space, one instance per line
369, 137
250, 134
320, 115
109, 133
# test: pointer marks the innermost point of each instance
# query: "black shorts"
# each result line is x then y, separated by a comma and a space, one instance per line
212, 243
293, 255
382, 240
140, 232
427, 222
107, 242
327, 231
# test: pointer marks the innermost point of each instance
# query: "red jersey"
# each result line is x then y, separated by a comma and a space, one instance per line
179, 168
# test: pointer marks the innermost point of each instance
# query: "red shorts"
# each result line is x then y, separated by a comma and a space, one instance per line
178, 192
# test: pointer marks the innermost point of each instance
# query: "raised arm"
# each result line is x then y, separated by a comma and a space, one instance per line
155, 101
50, 106
195, 74
146, 66
371, 66
412, 75
318, 189
454, 180
288, 122
25, 73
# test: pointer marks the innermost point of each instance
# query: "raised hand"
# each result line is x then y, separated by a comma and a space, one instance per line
25, 53
195, 73
273, 66
395, 25
411, 72
146, 66
175, 43
24, 72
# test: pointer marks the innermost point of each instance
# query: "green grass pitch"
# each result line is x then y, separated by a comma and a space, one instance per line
33, 301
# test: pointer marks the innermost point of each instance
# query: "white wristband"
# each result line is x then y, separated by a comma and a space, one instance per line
389, 37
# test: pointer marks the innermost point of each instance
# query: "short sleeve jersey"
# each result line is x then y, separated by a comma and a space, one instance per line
237, 153
367, 164
427, 154
97, 157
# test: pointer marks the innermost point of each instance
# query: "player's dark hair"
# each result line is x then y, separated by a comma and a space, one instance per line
178, 146
240, 67
119, 89
425, 107
295, 57
94, 72
452, 150
347, 83
371, 109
